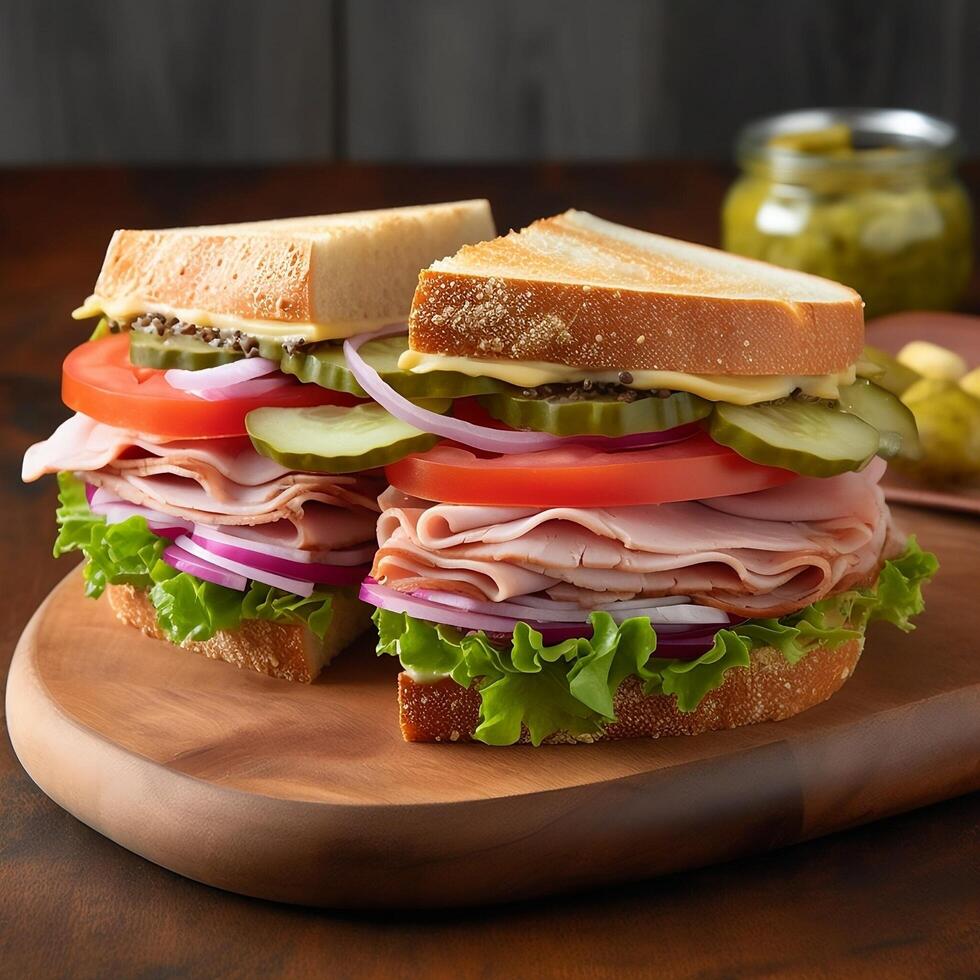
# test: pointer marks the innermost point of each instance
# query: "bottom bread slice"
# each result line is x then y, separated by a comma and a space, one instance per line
290, 653
769, 689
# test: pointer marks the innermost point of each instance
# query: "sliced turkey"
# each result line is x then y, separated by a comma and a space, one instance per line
214, 481
761, 554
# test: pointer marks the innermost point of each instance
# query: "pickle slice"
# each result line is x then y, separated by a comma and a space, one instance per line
324, 365
335, 439
188, 353
893, 419
892, 374
805, 437
603, 415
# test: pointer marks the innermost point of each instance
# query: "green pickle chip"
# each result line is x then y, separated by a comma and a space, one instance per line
948, 419
809, 438
602, 415
186, 352
337, 439
324, 365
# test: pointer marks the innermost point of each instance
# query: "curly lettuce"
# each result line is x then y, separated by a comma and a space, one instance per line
569, 686
187, 607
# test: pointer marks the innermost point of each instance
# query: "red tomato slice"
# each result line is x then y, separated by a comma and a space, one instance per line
578, 476
99, 381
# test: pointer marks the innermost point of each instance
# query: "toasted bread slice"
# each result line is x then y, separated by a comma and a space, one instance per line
577, 290
769, 689
306, 278
289, 653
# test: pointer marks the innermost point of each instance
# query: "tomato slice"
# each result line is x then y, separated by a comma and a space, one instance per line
695, 469
99, 381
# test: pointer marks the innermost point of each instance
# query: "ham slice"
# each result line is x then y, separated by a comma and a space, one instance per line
214, 481
761, 554
79, 443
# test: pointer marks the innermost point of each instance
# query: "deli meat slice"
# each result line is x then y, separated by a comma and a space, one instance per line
761, 554
80, 443
214, 481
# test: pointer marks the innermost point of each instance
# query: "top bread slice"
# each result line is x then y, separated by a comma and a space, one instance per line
346, 272
577, 290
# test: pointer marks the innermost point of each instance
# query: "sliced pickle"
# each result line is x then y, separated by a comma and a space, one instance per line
603, 415
891, 374
188, 353
806, 437
948, 420
335, 439
324, 365
932, 361
893, 420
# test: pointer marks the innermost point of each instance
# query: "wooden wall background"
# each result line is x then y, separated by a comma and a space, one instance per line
207, 81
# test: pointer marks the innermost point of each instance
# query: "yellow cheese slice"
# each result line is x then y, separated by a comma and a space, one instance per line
737, 389
126, 309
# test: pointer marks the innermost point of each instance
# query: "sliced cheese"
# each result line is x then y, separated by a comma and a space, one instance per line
737, 389
126, 309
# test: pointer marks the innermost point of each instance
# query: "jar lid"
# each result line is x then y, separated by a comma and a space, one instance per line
914, 139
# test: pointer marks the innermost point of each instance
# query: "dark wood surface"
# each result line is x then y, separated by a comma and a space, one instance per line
246, 80
896, 898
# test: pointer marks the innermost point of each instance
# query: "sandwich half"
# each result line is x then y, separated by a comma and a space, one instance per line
655, 509
196, 536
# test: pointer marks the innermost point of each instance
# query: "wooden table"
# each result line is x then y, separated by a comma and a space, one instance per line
897, 898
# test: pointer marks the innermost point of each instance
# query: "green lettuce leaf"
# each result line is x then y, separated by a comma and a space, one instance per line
117, 554
691, 680
897, 595
569, 686
187, 607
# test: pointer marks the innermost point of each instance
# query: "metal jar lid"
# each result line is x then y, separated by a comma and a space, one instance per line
916, 138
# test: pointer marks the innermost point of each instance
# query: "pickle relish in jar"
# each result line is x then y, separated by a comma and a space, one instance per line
867, 197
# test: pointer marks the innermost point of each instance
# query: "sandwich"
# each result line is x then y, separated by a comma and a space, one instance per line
195, 536
654, 506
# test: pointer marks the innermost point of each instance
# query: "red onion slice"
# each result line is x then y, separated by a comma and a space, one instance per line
167, 532
176, 557
385, 598
503, 441
678, 613
232, 536
245, 389
674, 641
479, 437
300, 571
543, 602
246, 570
222, 376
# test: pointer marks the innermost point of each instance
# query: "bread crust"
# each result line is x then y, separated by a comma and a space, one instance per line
256, 277
578, 291
289, 653
769, 689
604, 329
352, 268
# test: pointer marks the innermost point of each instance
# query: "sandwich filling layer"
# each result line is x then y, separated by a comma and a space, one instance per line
739, 390
145, 511
601, 595
761, 554
126, 310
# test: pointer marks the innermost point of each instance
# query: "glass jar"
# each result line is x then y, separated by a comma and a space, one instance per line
867, 197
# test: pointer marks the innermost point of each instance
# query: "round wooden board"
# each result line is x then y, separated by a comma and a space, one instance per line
307, 793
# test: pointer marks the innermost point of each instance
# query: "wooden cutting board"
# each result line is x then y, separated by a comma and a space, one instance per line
307, 794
